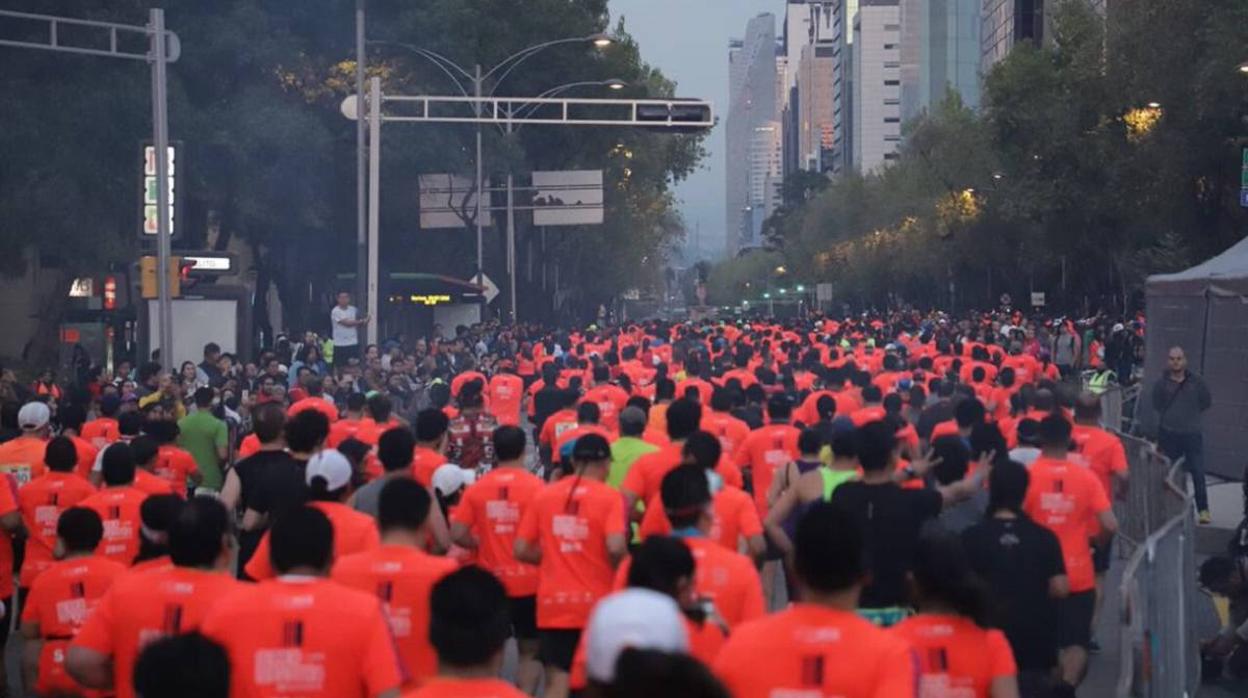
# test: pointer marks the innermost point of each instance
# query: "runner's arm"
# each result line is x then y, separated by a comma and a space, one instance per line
31, 649
89, 668
617, 548
1004, 687
231, 490
1059, 586
780, 511
528, 553
462, 536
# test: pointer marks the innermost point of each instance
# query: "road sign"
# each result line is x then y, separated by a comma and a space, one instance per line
491, 290
446, 200
1037, 299
148, 193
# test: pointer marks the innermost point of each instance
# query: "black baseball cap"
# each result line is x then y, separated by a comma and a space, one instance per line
591, 447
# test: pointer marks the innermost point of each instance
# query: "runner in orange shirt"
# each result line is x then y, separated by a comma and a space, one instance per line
62, 599
351, 423
957, 654
103, 430
575, 532
610, 399
1067, 499
146, 454
646, 474
468, 628
72, 417
143, 607
770, 449
504, 394
557, 423
329, 486
23, 457
401, 573
486, 520
820, 646
301, 634
587, 422
718, 420
118, 505
158, 514
734, 516
42, 502
726, 581
173, 464
430, 451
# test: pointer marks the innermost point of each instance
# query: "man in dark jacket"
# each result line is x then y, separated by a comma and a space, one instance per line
1180, 398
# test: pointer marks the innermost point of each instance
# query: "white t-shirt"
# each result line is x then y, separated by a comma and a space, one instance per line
344, 336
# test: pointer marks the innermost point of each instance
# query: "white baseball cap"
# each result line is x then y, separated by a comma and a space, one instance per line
448, 478
331, 465
33, 416
633, 618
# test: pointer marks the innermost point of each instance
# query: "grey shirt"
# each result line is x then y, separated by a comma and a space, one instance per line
368, 497
1179, 404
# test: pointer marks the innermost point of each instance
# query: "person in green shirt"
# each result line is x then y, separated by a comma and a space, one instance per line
629, 447
206, 438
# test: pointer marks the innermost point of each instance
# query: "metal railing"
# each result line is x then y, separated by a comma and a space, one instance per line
1159, 655
1152, 498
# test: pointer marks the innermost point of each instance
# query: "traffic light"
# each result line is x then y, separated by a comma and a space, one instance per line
685, 116
149, 288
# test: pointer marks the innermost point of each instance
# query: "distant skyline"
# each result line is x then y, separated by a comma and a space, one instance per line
688, 41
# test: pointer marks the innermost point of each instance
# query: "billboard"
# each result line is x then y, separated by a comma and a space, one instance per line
449, 201
567, 197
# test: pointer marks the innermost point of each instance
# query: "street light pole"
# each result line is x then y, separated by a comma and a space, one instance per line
160, 138
480, 278
361, 239
374, 209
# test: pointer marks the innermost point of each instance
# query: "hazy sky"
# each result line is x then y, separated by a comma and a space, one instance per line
688, 41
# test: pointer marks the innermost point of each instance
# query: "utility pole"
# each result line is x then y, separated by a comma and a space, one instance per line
480, 277
374, 199
361, 239
160, 138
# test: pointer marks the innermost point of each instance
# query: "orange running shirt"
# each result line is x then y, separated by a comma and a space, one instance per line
42, 502
492, 509
819, 652
571, 435
101, 432
555, 425
118, 508
505, 392
354, 532
140, 608
645, 477
730, 431
1067, 498
767, 450
956, 656
175, 465
424, 462
724, 577
249, 447
402, 578
1101, 451
306, 637
151, 484
571, 520
60, 601
466, 688
340, 431
23, 458
735, 516
86, 456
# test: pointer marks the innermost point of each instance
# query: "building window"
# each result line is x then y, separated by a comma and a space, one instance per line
892, 64
892, 102
889, 47
892, 119
892, 83
890, 156
892, 27
892, 139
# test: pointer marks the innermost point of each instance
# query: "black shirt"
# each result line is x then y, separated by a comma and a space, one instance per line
1017, 558
281, 487
891, 518
932, 415
547, 401
253, 469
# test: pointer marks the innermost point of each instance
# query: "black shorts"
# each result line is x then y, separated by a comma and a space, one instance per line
523, 617
344, 354
1102, 554
558, 647
1075, 619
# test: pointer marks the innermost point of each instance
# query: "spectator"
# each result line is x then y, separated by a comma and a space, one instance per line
1180, 398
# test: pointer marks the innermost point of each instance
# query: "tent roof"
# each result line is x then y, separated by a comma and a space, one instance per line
1225, 274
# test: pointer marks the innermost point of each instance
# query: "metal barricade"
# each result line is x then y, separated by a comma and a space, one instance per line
1151, 499
1159, 654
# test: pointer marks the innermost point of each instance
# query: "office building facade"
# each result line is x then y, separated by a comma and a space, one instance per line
876, 132
950, 56
752, 103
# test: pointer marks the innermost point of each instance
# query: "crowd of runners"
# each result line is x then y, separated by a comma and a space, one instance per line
892, 505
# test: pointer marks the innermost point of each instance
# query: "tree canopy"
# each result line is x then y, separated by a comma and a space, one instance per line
1111, 152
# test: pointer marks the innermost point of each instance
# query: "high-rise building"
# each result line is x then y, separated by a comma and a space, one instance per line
911, 54
950, 31
766, 167
752, 94
842, 153
1006, 23
877, 83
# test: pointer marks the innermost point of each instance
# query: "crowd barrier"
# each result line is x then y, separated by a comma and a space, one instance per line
1159, 653
1151, 500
